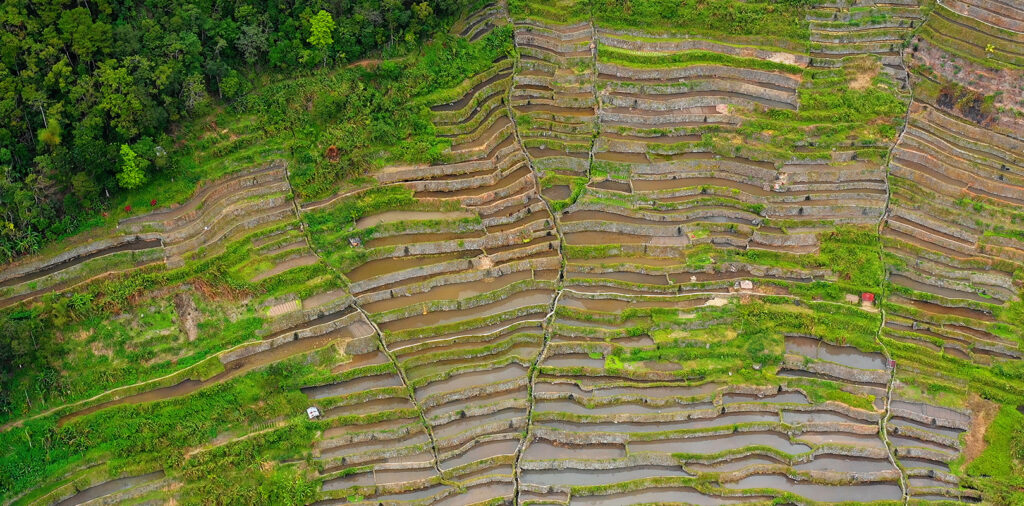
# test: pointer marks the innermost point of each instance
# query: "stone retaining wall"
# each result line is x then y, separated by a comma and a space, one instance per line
699, 72
33, 264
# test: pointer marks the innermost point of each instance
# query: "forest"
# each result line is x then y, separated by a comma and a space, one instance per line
93, 93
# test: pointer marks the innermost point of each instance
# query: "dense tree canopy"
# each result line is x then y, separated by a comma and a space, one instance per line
80, 79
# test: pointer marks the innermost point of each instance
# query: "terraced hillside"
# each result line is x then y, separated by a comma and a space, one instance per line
664, 256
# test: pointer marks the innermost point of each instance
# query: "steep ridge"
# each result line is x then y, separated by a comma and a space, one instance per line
457, 265
653, 266
951, 249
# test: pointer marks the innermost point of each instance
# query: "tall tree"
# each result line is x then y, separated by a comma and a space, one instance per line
320, 33
133, 169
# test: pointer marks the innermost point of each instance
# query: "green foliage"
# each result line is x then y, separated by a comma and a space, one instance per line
133, 169
1002, 462
371, 116
158, 432
852, 253
774, 19
79, 80
831, 114
321, 26
688, 58
232, 473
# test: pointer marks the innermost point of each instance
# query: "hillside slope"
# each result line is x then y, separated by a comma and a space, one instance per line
760, 252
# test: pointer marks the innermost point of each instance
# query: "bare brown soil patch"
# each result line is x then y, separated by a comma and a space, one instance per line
98, 349
188, 315
366, 63
1003, 84
982, 413
862, 71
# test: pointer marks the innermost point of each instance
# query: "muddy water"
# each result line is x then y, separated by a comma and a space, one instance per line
573, 360
352, 480
135, 245
390, 476
979, 334
824, 493
658, 496
628, 277
927, 246
231, 370
482, 139
551, 109
526, 323
658, 220
954, 352
661, 139
612, 185
397, 216
879, 388
353, 386
648, 392
472, 379
734, 464
567, 406
374, 445
454, 291
651, 185
548, 498
404, 239
330, 317
936, 290
478, 494
110, 487
518, 300
412, 495
476, 401
640, 427
617, 306
614, 156
482, 451
559, 192
655, 365
375, 268
366, 408
456, 427
911, 463
775, 104
525, 336
800, 417
525, 351
702, 277
472, 192
378, 427
935, 497
788, 397
464, 100
505, 470
372, 358
543, 449
902, 441
922, 482
715, 444
944, 310
842, 438
604, 238
843, 355
588, 477
844, 464
937, 429
642, 260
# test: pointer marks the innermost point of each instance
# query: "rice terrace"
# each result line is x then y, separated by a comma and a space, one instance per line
454, 252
